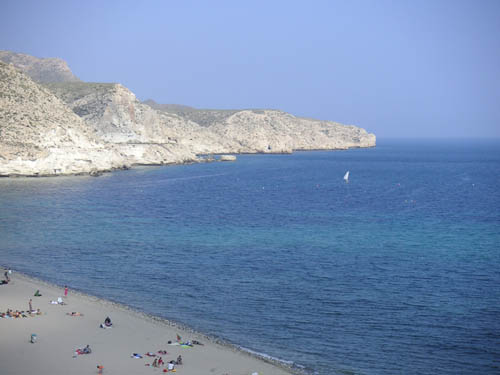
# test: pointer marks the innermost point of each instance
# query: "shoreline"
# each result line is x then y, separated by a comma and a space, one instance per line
100, 172
230, 353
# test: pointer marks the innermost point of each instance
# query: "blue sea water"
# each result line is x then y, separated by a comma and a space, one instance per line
397, 271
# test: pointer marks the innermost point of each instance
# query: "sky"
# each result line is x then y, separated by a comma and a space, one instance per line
402, 68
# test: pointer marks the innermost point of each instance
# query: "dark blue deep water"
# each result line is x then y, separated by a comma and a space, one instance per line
396, 272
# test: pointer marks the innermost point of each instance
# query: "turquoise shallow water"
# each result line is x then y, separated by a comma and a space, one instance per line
395, 272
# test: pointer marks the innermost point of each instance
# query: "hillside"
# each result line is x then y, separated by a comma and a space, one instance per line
61, 125
267, 130
39, 135
40, 69
143, 134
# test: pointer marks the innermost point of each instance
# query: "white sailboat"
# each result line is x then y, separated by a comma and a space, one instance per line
346, 177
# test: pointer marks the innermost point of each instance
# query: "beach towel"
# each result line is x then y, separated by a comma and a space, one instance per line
80, 352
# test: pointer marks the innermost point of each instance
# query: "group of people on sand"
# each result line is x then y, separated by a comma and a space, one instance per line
158, 362
19, 314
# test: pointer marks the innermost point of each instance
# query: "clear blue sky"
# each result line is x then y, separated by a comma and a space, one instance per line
397, 68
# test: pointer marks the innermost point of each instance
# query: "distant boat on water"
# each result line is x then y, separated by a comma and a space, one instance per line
346, 177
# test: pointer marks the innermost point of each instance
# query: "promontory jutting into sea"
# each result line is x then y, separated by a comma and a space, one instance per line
55, 124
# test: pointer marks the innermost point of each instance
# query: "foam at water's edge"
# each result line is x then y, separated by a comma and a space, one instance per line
268, 358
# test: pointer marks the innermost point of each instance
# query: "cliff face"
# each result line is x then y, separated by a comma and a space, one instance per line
68, 126
276, 131
261, 130
39, 135
40, 70
142, 134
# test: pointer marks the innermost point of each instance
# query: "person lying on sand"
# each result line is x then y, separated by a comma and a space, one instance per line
58, 302
85, 350
74, 313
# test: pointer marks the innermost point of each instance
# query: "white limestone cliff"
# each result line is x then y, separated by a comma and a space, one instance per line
40, 135
71, 127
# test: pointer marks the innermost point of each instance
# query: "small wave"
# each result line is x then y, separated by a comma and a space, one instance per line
269, 358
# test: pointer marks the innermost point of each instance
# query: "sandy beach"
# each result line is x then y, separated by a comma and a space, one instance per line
59, 334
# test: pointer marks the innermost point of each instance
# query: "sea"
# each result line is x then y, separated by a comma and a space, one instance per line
395, 272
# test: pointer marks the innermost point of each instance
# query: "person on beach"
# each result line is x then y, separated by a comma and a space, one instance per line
155, 363
7, 278
65, 291
107, 323
179, 360
30, 306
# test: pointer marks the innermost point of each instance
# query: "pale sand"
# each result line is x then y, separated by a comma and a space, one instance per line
58, 335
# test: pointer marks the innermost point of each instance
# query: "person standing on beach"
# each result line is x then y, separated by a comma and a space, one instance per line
65, 291
30, 306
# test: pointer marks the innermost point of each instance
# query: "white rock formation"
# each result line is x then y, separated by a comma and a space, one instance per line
142, 134
70, 126
40, 135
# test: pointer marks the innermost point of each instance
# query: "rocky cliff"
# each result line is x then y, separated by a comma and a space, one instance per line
68, 126
40, 135
143, 134
261, 130
40, 70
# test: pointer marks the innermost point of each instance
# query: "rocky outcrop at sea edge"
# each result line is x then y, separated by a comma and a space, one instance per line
271, 131
71, 126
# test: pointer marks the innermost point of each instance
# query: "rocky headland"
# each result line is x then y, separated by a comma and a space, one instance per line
51, 123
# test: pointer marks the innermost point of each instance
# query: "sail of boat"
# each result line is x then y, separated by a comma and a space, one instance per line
346, 177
